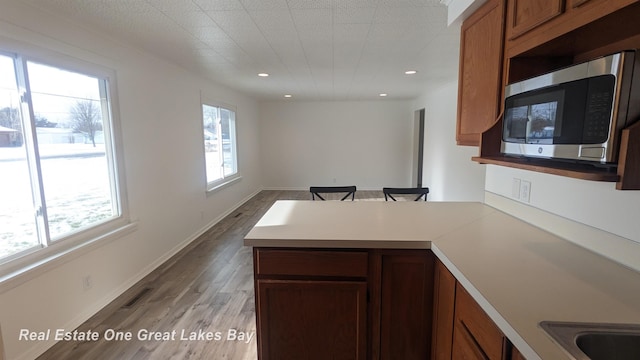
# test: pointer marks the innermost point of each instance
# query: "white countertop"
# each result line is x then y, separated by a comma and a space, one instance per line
519, 274
361, 224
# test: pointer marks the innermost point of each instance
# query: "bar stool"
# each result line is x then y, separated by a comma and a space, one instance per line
317, 190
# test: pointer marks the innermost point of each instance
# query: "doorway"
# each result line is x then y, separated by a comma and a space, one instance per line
418, 148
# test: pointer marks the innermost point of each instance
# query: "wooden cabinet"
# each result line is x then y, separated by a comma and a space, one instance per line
461, 329
480, 80
539, 37
311, 304
343, 304
530, 24
465, 347
475, 335
524, 15
516, 355
302, 319
577, 3
402, 298
444, 293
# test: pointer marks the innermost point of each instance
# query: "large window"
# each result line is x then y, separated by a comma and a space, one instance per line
58, 178
219, 144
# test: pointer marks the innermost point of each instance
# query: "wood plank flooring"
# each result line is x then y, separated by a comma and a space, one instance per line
207, 287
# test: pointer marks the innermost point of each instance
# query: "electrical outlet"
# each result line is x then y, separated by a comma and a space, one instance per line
515, 189
87, 282
525, 191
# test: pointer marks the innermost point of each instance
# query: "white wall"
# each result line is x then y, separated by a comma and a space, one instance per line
159, 107
594, 203
448, 170
362, 143
591, 214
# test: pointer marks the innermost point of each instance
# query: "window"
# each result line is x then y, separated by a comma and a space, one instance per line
219, 145
58, 170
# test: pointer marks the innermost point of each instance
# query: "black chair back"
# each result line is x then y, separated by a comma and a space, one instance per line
317, 190
421, 192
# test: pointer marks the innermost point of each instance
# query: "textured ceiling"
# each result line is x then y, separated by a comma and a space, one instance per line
312, 49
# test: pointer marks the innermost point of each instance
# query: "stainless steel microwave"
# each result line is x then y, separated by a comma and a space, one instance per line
574, 113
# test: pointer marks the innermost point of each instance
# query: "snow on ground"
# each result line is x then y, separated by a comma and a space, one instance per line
76, 186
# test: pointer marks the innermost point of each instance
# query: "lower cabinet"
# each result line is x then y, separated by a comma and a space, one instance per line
343, 304
461, 329
302, 319
402, 302
475, 336
444, 297
465, 346
516, 355
368, 304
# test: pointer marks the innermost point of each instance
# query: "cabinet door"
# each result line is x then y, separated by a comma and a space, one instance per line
525, 15
444, 287
405, 300
299, 319
480, 80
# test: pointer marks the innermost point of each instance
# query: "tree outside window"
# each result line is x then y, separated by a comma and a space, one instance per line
58, 174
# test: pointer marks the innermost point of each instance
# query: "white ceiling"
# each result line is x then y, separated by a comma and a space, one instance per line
312, 49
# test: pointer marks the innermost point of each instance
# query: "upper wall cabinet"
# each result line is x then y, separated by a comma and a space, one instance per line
538, 37
480, 80
530, 24
525, 15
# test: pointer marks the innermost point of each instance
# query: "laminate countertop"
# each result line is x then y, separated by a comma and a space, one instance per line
519, 274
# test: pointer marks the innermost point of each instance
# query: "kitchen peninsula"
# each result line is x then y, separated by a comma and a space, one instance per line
517, 274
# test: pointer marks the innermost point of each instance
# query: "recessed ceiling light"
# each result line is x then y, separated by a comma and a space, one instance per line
411, 72
263, 74
383, 94
287, 95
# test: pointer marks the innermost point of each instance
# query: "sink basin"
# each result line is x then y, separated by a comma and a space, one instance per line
609, 345
596, 341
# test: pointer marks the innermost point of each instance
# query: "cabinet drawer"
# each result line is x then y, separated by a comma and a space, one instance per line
465, 346
334, 263
470, 315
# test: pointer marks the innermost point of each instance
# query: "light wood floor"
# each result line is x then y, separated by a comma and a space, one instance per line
207, 287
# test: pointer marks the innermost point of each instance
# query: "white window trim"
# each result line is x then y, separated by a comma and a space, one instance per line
217, 185
228, 182
31, 263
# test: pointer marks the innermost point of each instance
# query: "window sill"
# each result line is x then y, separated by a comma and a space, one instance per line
30, 266
226, 183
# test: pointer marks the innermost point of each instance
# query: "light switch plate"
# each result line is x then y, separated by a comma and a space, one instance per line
525, 191
515, 189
